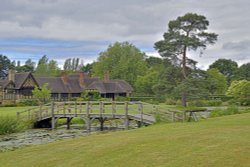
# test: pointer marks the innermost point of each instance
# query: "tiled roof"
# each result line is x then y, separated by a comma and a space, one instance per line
72, 84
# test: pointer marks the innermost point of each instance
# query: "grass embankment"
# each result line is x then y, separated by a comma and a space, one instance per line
222, 141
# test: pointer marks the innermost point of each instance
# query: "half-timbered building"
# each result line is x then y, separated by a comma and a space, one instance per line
20, 85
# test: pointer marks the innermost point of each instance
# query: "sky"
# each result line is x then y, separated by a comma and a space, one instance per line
64, 29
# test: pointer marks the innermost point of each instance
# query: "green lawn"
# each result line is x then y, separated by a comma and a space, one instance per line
223, 141
11, 111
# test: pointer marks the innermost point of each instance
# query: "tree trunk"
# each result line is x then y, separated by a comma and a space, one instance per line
184, 99
184, 77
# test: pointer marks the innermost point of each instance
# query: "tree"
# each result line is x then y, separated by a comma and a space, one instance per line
46, 67
187, 32
5, 65
87, 68
217, 82
72, 65
122, 61
227, 67
144, 84
241, 91
42, 94
244, 72
29, 66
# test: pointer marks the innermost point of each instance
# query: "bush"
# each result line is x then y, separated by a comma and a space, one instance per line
170, 101
28, 102
10, 125
230, 110
204, 103
122, 98
105, 99
214, 102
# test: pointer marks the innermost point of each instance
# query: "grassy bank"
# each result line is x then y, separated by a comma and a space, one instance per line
222, 141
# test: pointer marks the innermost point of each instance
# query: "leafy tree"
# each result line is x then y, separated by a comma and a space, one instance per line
244, 72
5, 65
144, 84
227, 67
46, 67
29, 66
241, 91
169, 78
217, 82
42, 94
154, 61
87, 68
42, 67
72, 65
122, 61
53, 68
187, 32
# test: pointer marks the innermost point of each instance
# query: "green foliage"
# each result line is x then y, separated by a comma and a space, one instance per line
122, 61
72, 64
122, 98
194, 88
227, 67
29, 66
87, 68
230, 110
170, 101
240, 90
91, 95
144, 84
217, 81
5, 65
205, 103
9, 125
27, 102
243, 72
47, 68
42, 94
187, 32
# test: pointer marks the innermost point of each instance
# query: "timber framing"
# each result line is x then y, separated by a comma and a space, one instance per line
19, 86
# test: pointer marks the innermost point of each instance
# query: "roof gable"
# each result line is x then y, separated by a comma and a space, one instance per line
25, 80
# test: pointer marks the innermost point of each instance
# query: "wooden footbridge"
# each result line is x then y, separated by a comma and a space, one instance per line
125, 113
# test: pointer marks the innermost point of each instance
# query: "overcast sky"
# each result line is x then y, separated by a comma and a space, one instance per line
84, 28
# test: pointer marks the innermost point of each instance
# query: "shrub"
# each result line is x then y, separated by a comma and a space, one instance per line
204, 103
214, 102
230, 110
170, 101
28, 102
105, 99
10, 125
122, 98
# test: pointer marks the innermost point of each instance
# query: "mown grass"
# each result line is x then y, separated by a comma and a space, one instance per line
11, 111
222, 141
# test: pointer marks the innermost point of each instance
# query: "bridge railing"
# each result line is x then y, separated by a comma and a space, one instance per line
101, 107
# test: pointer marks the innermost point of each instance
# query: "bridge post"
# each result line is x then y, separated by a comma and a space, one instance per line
53, 120
126, 120
87, 119
141, 113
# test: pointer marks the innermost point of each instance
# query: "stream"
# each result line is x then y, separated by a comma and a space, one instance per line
14, 141
37, 136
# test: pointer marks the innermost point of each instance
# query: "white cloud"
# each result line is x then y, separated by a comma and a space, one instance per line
140, 22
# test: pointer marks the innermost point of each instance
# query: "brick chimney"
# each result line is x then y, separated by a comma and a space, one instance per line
64, 77
11, 75
81, 78
106, 76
